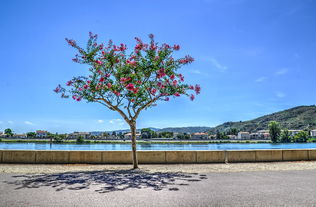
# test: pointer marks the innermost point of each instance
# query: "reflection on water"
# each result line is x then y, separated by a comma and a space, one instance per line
113, 147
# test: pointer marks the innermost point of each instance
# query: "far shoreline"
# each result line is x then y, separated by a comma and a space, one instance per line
47, 141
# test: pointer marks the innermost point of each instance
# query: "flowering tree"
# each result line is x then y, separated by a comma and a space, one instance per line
128, 82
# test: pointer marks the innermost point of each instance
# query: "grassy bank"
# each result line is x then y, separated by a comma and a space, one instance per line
139, 141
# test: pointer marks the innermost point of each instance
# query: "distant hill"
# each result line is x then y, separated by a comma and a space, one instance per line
169, 129
185, 129
295, 118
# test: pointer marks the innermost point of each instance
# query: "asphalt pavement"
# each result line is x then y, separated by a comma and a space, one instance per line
141, 188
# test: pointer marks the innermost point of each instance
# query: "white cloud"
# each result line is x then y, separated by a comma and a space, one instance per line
280, 94
10, 122
218, 65
28, 123
261, 79
195, 71
100, 121
282, 71
119, 122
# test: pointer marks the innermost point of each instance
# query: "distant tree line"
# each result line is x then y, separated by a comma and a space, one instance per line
279, 135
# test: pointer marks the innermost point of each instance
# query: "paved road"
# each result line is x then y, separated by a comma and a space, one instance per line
137, 188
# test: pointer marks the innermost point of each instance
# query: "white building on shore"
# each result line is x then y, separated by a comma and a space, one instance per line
243, 135
41, 133
129, 135
199, 135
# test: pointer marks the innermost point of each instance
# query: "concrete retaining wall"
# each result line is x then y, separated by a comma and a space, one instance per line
154, 157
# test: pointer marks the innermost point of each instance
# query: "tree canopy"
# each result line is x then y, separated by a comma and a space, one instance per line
128, 82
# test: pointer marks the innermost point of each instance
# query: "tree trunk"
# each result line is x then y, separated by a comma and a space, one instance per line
133, 131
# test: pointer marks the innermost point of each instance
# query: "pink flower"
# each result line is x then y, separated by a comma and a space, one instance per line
80, 89
78, 99
88, 81
130, 86
99, 62
135, 90
186, 59
85, 86
123, 80
161, 73
107, 75
132, 63
138, 47
175, 82
57, 89
176, 47
197, 89
153, 47
71, 42
153, 91
74, 97
69, 83
166, 46
172, 76
102, 79
177, 94
167, 99
181, 77
122, 47
192, 97
109, 85
191, 87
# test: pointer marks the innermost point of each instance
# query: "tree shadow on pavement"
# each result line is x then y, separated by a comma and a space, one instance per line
107, 181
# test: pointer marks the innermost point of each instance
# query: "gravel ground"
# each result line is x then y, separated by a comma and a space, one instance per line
184, 168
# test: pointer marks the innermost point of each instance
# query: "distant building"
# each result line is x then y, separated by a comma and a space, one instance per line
76, 135
97, 134
129, 135
41, 133
175, 134
294, 132
255, 136
231, 136
263, 134
313, 133
199, 135
19, 136
243, 135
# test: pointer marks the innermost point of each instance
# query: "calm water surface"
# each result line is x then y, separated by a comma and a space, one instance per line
113, 147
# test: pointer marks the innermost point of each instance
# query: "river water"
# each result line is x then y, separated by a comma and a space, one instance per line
113, 147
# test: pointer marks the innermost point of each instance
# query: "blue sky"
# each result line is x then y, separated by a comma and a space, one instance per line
252, 58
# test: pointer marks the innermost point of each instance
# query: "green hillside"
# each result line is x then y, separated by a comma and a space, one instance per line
185, 129
300, 117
